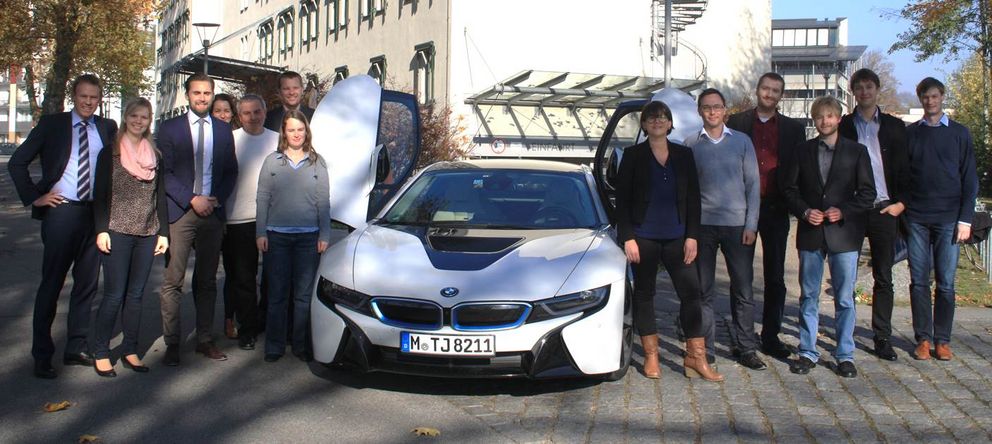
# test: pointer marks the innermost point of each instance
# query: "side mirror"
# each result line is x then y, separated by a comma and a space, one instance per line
382, 165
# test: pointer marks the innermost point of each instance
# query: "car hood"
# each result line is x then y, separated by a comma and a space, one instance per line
523, 265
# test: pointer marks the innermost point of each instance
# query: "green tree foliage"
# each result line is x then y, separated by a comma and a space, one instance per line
55, 40
964, 87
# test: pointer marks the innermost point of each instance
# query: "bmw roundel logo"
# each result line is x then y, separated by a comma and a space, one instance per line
449, 292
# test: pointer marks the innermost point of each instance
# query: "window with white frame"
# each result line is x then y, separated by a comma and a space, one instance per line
364, 9
340, 73
309, 30
377, 69
378, 7
341, 10
284, 31
423, 73
266, 42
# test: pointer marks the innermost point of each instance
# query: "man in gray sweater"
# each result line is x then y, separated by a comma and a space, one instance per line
731, 196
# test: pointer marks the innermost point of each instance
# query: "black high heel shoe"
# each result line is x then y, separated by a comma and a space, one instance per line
136, 368
106, 374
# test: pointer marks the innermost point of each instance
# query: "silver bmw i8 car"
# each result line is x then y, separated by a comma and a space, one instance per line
475, 268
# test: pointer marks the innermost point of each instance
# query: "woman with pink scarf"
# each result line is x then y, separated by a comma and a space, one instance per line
132, 227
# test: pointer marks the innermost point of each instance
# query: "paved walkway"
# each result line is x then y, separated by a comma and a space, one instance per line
246, 400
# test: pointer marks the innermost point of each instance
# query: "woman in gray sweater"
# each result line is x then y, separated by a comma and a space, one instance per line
293, 224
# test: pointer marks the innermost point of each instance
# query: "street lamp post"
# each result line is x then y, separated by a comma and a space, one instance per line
206, 20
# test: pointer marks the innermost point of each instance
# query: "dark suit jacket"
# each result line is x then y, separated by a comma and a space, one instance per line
103, 187
634, 188
52, 140
790, 134
273, 118
895, 154
849, 187
176, 144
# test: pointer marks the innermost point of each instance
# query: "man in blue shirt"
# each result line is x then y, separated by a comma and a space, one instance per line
943, 187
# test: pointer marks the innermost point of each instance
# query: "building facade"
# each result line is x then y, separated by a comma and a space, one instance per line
451, 51
15, 110
815, 59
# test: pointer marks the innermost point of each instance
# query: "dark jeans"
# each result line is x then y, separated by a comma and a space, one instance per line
883, 230
125, 272
69, 240
292, 261
204, 234
684, 279
241, 268
773, 228
932, 247
740, 262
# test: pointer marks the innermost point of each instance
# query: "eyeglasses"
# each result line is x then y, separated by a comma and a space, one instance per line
708, 108
656, 119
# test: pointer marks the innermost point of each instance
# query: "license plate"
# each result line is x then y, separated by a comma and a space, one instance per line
448, 345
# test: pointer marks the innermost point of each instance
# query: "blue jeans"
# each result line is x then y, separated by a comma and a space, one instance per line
934, 242
125, 272
843, 274
292, 260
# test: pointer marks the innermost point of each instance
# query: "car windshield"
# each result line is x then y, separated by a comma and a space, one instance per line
499, 199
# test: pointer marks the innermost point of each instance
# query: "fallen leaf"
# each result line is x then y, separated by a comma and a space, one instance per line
426, 431
85, 439
51, 407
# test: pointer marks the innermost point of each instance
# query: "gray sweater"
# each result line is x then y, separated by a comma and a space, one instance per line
290, 197
729, 184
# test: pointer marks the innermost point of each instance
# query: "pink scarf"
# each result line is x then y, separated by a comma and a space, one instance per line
139, 161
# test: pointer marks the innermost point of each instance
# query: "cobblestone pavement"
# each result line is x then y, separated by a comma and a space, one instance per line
903, 401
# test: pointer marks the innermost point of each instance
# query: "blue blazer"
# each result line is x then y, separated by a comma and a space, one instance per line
52, 140
176, 143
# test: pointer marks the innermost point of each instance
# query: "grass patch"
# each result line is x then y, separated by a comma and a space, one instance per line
971, 283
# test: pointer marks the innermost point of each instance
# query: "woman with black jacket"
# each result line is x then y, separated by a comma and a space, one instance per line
658, 211
132, 228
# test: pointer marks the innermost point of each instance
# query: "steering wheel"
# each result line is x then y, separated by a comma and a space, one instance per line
555, 216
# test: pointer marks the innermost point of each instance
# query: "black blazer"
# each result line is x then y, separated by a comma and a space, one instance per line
103, 187
52, 140
895, 154
849, 187
633, 185
273, 118
791, 133
175, 141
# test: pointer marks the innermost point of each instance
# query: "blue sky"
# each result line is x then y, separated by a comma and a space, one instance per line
868, 25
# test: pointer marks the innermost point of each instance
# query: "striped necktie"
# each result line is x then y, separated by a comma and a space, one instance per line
83, 173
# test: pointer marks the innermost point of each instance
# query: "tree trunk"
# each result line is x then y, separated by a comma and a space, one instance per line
29, 89
66, 36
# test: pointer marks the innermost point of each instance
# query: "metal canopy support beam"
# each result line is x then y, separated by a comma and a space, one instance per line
556, 80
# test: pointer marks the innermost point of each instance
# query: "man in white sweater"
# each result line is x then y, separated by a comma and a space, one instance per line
253, 142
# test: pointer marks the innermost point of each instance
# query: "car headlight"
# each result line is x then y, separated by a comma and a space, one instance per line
330, 293
583, 301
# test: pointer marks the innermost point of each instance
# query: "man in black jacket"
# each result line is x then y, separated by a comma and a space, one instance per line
828, 185
290, 97
68, 144
774, 137
885, 138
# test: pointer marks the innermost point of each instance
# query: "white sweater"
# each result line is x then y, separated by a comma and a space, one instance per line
251, 152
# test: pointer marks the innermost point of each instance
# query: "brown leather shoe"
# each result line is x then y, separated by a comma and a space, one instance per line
652, 369
695, 364
943, 352
922, 352
230, 330
211, 351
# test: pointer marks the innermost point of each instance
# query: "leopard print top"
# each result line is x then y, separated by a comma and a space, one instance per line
132, 203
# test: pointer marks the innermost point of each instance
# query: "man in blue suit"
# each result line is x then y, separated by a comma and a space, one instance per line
68, 144
200, 172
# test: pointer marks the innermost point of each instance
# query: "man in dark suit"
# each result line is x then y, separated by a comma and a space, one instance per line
200, 172
290, 96
828, 185
774, 136
885, 138
68, 144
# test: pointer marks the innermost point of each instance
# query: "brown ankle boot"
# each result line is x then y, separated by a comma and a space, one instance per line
695, 361
651, 368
